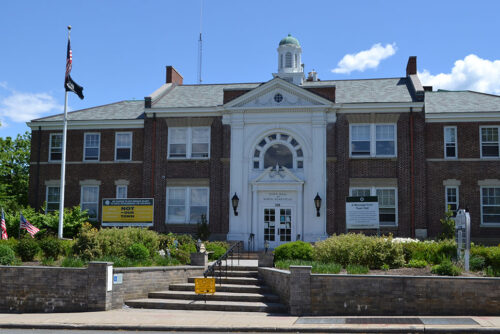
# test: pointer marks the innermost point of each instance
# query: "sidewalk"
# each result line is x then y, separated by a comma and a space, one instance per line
209, 321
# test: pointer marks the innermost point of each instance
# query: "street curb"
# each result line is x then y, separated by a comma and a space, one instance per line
340, 329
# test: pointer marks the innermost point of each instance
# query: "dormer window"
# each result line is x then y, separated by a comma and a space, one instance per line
288, 59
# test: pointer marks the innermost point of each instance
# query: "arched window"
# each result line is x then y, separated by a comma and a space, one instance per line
288, 59
278, 149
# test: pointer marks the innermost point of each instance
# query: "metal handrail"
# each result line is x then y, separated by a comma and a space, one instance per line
218, 263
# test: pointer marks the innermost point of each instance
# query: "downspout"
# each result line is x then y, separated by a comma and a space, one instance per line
412, 176
37, 185
153, 154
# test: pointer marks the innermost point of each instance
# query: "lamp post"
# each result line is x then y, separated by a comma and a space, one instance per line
317, 204
235, 201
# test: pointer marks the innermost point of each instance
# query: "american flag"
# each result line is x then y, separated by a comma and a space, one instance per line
69, 60
4, 227
24, 224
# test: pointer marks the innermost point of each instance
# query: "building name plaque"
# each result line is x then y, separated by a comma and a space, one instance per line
362, 212
277, 196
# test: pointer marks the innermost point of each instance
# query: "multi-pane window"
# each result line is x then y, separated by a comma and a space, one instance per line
121, 191
490, 205
373, 140
387, 203
278, 149
189, 143
186, 204
90, 201
55, 147
490, 142
288, 60
451, 199
91, 146
52, 199
450, 141
123, 146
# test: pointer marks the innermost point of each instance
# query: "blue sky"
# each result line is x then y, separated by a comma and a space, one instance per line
121, 48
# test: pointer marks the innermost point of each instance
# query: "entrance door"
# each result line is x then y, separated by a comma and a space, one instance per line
277, 226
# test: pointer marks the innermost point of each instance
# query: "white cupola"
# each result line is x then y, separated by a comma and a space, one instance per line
290, 67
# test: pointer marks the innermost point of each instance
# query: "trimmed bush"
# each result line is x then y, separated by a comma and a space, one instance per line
414, 263
27, 248
356, 269
296, 250
72, 262
477, 263
430, 251
218, 248
51, 248
446, 268
7, 255
138, 252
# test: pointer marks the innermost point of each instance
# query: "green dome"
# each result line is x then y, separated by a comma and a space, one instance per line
289, 40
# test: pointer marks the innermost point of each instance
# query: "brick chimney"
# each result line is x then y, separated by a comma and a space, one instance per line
173, 76
411, 68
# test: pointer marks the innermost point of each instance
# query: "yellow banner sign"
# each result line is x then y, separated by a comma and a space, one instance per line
127, 212
204, 285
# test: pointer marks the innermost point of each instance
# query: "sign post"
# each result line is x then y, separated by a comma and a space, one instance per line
462, 236
138, 212
362, 212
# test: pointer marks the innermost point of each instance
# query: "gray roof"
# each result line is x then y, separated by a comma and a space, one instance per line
123, 110
460, 101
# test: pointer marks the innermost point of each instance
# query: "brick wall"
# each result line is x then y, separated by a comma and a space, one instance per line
370, 295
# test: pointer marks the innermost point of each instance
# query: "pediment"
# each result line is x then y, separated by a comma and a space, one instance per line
274, 175
277, 93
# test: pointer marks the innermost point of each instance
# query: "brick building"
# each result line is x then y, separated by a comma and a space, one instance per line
276, 145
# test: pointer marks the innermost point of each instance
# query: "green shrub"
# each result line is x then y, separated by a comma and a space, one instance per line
446, 268
414, 263
385, 267
360, 249
7, 255
47, 261
51, 247
182, 256
477, 263
296, 250
166, 241
317, 267
218, 248
447, 225
430, 251
183, 239
72, 262
188, 248
86, 245
165, 261
492, 272
491, 255
355, 269
27, 248
137, 252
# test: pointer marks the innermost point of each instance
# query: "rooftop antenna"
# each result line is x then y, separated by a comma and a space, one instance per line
200, 44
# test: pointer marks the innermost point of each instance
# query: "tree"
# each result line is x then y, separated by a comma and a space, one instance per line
14, 170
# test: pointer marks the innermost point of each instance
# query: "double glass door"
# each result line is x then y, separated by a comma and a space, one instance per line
277, 225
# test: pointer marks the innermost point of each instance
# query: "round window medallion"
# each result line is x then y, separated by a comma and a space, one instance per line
278, 97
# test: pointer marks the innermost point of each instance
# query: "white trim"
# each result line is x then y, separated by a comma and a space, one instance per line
446, 203
116, 145
90, 125
462, 160
481, 141
97, 202
122, 182
187, 204
462, 117
482, 224
50, 146
90, 182
85, 146
373, 141
445, 142
189, 143
86, 162
373, 192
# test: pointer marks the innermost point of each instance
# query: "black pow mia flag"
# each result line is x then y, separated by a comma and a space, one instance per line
69, 84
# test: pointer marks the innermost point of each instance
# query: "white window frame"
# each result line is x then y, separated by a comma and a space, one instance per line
373, 141
445, 143
85, 146
373, 192
50, 147
129, 147
481, 140
189, 143
446, 202
97, 202
47, 199
118, 187
483, 224
187, 204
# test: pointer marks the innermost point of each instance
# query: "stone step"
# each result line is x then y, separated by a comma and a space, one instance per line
211, 305
236, 288
220, 296
236, 267
232, 280
237, 273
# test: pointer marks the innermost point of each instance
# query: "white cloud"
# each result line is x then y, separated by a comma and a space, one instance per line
365, 59
471, 73
23, 107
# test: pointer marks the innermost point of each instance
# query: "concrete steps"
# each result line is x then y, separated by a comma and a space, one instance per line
240, 291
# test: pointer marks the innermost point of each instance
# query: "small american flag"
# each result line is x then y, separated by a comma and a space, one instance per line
69, 60
4, 227
24, 224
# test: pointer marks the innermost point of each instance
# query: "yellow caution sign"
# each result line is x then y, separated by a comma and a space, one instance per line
204, 285
137, 212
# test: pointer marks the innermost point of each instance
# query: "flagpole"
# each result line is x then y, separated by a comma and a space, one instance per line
63, 159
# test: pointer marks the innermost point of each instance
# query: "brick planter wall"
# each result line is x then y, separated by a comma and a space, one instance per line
372, 295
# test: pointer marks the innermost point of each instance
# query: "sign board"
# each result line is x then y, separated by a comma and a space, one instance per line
117, 278
362, 212
204, 285
138, 212
462, 236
